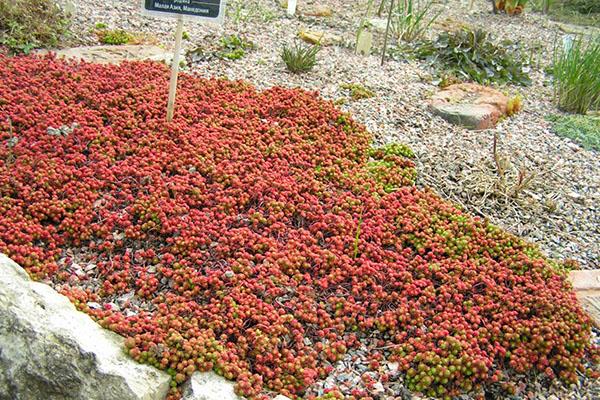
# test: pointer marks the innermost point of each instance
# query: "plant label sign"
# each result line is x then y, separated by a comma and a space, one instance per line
208, 10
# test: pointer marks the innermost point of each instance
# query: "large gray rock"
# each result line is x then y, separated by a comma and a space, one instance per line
49, 350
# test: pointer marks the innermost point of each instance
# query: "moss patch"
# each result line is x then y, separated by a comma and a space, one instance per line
583, 129
357, 91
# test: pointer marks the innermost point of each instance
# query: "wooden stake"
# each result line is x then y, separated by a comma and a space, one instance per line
387, 32
174, 70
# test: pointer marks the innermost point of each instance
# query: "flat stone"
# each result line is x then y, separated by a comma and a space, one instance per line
586, 284
591, 304
49, 350
319, 37
115, 54
585, 279
468, 115
577, 29
470, 105
209, 386
316, 11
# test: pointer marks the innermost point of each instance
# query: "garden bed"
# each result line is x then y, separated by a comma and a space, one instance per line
260, 234
557, 210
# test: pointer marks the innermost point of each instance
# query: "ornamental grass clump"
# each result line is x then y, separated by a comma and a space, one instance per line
253, 237
410, 19
300, 58
576, 71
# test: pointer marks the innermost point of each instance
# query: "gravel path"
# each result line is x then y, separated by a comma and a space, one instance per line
559, 210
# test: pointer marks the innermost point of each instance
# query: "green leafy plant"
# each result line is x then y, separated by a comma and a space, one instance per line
231, 47
471, 55
114, 36
300, 58
544, 5
576, 71
234, 47
583, 129
30, 24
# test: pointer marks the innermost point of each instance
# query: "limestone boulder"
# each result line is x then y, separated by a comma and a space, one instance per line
470, 105
209, 386
49, 350
586, 284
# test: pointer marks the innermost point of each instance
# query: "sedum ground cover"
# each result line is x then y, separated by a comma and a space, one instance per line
262, 236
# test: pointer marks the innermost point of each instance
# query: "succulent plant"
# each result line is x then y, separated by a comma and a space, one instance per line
257, 241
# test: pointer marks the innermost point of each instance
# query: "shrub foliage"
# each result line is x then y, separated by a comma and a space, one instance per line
29, 24
251, 236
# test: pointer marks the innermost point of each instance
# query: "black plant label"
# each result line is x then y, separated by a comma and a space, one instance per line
210, 9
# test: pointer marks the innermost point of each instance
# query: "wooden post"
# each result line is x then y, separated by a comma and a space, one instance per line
387, 32
174, 70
